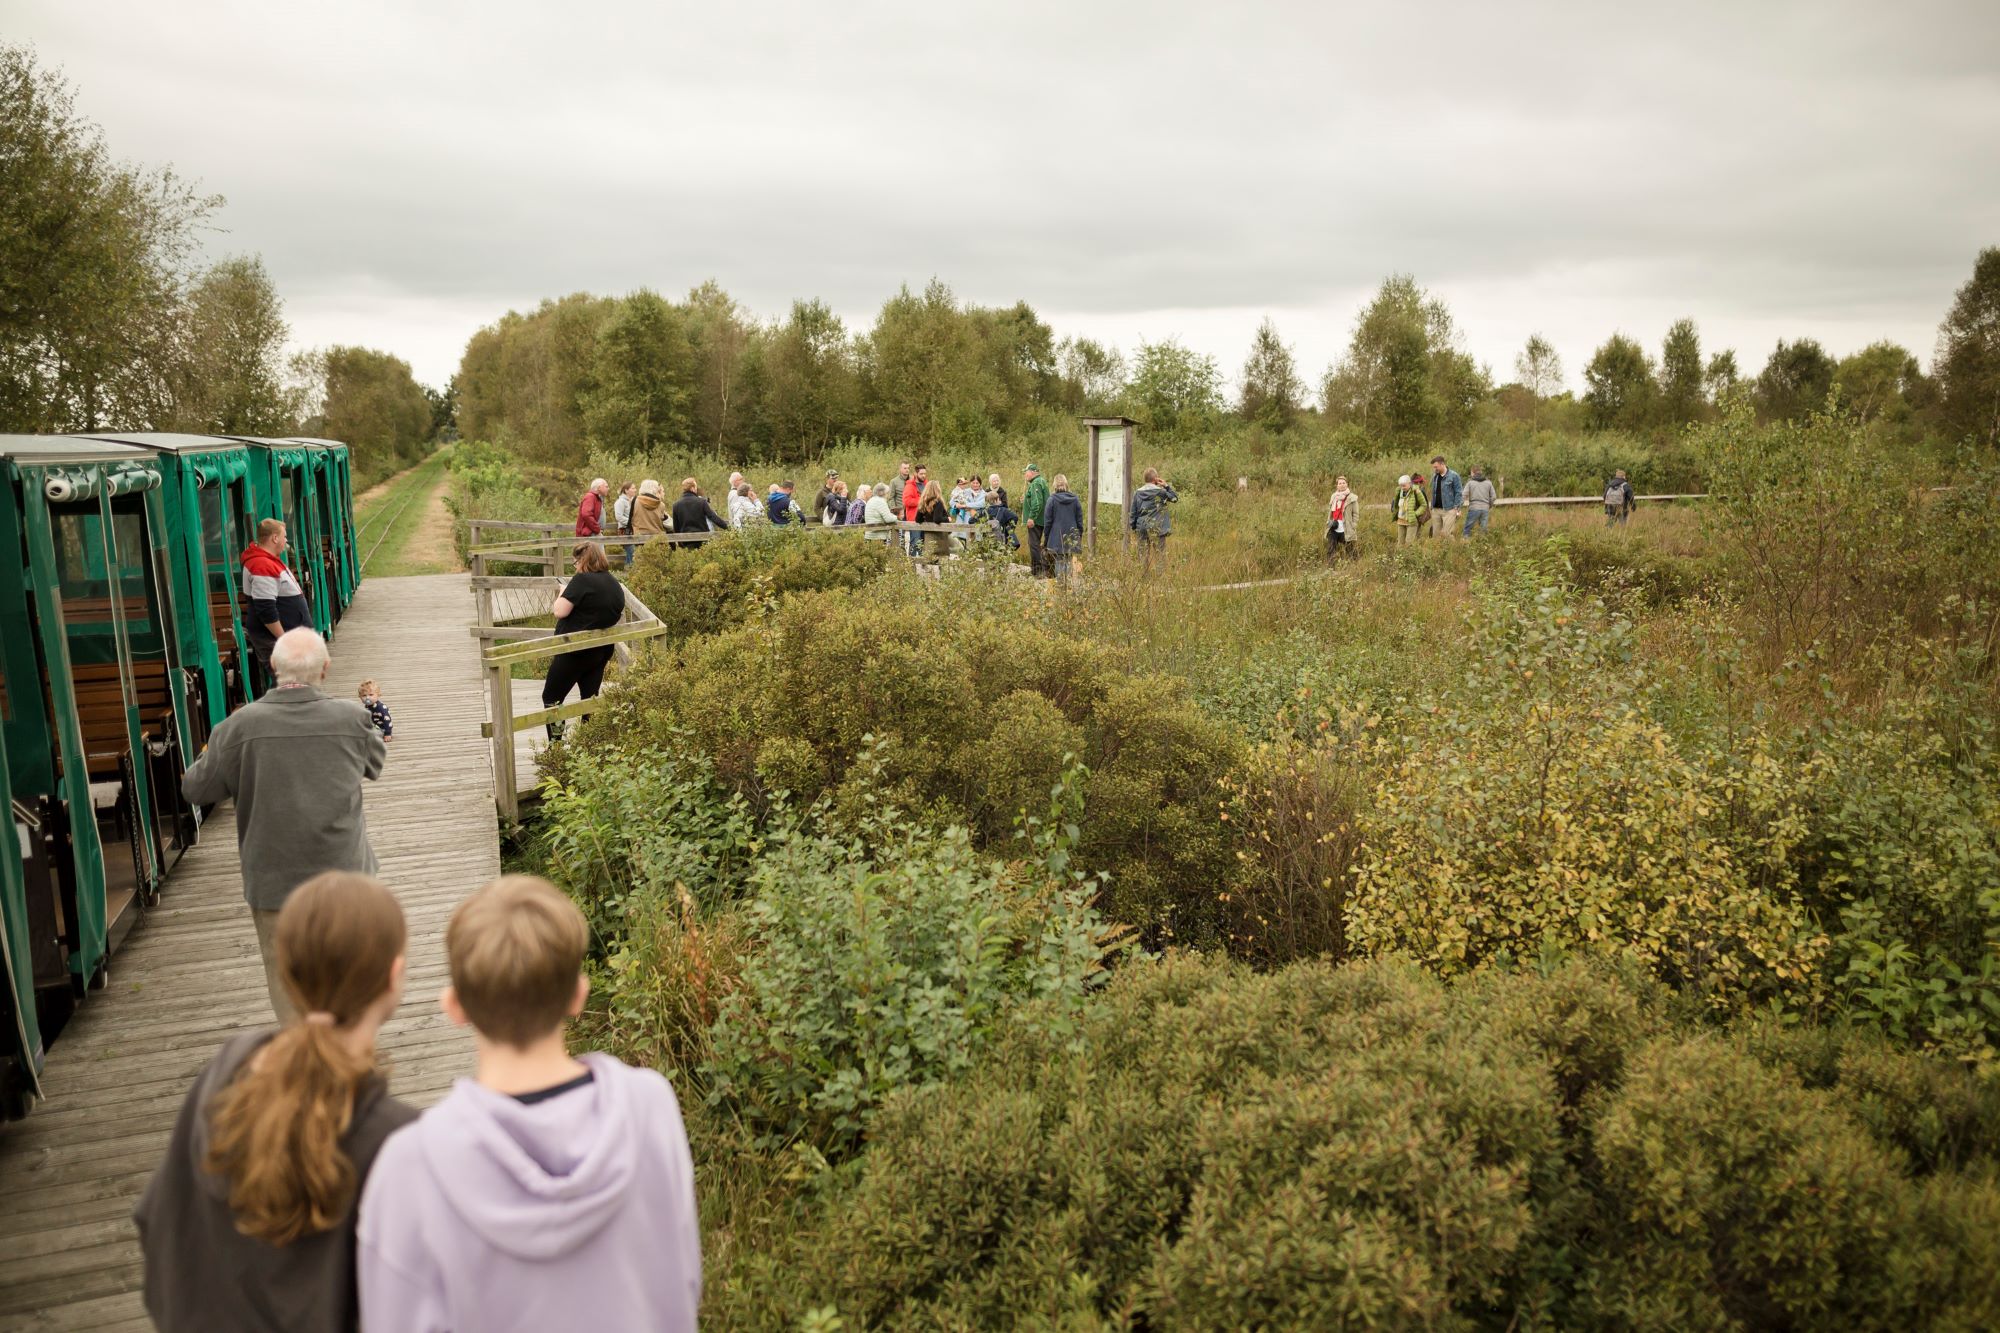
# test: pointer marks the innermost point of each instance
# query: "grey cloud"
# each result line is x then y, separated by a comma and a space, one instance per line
1764, 162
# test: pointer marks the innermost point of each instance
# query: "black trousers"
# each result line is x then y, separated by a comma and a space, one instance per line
582, 670
1038, 553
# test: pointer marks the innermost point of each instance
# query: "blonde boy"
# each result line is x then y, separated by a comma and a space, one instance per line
548, 1190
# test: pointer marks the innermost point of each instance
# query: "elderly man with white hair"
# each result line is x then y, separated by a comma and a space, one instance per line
590, 509
294, 762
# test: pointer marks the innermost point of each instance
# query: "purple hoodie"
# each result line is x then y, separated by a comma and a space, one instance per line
574, 1212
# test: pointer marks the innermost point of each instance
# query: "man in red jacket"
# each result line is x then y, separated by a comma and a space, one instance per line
273, 601
590, 510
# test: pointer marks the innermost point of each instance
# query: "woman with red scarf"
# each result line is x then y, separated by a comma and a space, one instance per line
1343, 517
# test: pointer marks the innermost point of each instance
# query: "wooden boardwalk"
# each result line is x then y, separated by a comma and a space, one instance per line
189, 975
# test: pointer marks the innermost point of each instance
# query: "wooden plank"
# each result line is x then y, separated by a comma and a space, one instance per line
555, 644
189, 976
508, 633
541, 717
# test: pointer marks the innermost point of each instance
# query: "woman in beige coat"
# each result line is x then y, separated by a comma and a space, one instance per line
649, 510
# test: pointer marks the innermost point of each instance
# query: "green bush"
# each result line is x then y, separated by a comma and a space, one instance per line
621, 836
487, 482
1902, 860
973, 713
1741, 1199
703, 589
887, 963
1363, 1145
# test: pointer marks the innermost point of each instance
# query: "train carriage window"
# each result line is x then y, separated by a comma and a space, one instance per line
222, 536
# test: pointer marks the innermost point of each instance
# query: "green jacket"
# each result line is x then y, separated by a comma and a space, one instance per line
1411, 506
1035, 501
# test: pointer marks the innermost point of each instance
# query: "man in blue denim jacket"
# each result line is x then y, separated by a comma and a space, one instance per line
1447, 499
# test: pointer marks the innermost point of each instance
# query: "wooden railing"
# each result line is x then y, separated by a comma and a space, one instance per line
502, 645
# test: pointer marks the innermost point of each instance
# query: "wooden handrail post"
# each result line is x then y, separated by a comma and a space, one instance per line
500, 706
482, 593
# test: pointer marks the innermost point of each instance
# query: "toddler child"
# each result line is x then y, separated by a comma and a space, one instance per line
378, 712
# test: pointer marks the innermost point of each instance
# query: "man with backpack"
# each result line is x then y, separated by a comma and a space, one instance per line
1149, 517
1619, 502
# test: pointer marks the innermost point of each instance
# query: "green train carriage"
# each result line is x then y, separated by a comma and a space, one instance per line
293, 485
212, 514
99, 714
124, 646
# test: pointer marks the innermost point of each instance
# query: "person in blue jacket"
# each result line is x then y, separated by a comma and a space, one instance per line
1063, 520
1447, 499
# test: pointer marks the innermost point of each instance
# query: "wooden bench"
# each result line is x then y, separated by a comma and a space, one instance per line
100, 710
224, 625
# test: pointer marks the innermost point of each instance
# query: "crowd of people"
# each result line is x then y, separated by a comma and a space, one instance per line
1437, 502
1432, 501
1049, 518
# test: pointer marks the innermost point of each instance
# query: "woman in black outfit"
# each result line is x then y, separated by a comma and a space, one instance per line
593, 600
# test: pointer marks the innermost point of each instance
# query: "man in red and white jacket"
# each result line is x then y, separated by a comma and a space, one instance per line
590, 510
273, 601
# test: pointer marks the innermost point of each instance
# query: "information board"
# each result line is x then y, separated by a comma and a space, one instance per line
1113, 465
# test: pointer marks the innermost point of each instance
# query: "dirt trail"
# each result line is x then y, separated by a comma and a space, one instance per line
432, 544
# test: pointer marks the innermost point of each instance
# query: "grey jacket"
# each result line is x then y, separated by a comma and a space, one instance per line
294, 761
1479, 494
201, 1272
1148, 510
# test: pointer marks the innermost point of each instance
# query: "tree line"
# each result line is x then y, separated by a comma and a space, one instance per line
635, 373
108, 321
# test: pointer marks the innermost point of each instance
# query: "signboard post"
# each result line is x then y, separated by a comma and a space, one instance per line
1110, 480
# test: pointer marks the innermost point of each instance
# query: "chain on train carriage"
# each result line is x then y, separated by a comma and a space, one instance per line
123, 647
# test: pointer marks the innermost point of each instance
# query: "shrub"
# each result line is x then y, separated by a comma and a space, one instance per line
1903, 860
701, 589
486, 482
972, 713
1295, 811
887, 965
1741, 1200
623, 836
1862, 556
1547, 811
1364, 1145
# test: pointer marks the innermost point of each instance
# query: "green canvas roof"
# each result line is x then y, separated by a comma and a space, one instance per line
64, 449
171, 444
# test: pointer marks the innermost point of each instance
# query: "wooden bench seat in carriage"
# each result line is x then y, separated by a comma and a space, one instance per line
100, 711
100, 702
224, 625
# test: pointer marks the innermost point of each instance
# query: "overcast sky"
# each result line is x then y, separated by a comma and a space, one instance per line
410, 169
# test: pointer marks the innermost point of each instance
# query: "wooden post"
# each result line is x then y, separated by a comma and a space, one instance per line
482, 594
500, 706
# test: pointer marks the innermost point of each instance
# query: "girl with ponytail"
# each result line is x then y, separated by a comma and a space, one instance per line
249, 1222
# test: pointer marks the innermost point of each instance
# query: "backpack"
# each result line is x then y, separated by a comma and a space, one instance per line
1614, 495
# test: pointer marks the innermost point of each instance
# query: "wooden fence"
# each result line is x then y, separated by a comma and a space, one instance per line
503, 597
